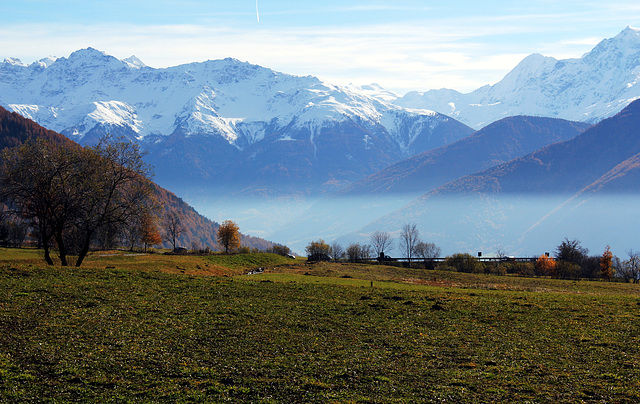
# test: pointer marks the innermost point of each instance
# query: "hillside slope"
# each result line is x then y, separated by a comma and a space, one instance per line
15, 130
565, 167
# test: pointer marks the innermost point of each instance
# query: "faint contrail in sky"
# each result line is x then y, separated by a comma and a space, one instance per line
257, 12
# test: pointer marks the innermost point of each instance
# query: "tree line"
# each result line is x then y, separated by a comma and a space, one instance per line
570, 261
410, 244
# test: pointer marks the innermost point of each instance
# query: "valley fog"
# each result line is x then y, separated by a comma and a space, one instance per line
518, 225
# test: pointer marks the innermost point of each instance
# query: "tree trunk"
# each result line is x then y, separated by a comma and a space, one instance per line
62, 251
85, 249
47, 255
44, 239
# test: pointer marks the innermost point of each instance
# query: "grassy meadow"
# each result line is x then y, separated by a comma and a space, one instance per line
162, 328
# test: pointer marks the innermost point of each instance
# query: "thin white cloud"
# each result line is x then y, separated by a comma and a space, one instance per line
380, 7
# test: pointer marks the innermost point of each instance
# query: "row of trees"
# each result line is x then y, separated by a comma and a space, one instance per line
571, 260
380, 241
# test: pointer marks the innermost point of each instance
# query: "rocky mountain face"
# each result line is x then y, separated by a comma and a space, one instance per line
224, 123
588, 89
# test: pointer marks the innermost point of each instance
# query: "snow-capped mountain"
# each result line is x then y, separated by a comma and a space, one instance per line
199, 115
588, 89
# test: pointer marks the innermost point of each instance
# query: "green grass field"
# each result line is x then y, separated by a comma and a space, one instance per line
138, 329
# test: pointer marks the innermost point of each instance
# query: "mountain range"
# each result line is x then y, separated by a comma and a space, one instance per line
588, 89
586, 187
224, 124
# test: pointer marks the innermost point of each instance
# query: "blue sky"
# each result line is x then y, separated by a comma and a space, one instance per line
402, 45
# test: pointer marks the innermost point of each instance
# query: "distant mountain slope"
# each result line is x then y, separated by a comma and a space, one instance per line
498, 143
623, 178
596, 86
390, 189
201, 121
563, 167
15, 130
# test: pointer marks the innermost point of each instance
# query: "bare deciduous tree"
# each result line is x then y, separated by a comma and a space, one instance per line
409, 237
629, 269
113, 189
353, 252
337, 252
33, 178
381, 241
427, 251
173, 228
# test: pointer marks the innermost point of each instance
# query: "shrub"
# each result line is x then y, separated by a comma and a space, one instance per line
443, 267
495, 269
568, 270
464, 263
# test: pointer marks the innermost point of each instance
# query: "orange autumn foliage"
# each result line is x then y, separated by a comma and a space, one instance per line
546, 266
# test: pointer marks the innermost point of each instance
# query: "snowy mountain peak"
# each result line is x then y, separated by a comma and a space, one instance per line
44, 62
13, 62
240, 103
87, 53
630, 34
596, 86
624, 44
91, 59
133, 61
530, 67
376, 91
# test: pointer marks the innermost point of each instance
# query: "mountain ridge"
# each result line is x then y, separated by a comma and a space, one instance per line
497, 143
579, 161
590, 88
247, 106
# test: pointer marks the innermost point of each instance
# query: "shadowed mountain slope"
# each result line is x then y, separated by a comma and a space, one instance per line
495, 144
565, 167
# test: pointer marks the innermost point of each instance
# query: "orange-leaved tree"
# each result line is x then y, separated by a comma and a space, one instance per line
606, 267
546, 265
149, 232
228, 236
